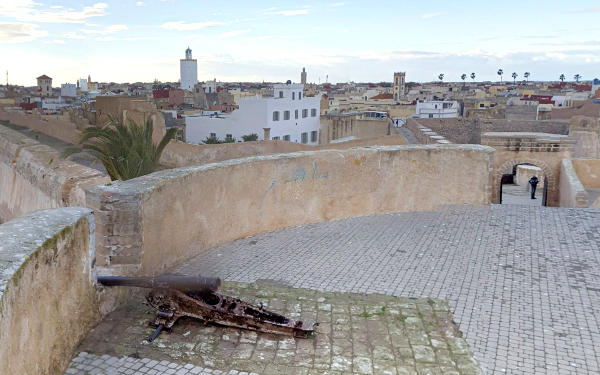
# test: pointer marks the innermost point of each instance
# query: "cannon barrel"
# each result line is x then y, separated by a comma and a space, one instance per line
166, 281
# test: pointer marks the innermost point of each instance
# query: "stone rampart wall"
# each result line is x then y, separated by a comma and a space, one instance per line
57, 126
572, 192
425, 135
588, 171
156, 221
180, 154
48, 301
34, 176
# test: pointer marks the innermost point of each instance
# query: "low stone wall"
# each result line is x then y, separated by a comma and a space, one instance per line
57, 126
181, 154
48, 302
156, 221
572, 192
588, 171
34, 176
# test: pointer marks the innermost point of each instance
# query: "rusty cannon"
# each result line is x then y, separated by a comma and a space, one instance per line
174, 296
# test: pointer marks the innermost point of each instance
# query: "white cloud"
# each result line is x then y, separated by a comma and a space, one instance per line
431, 15
337, 4
71, 35
183, 26
233, 33
128, 39
107, 30
28, 10
15, 32
289, 12
139, 3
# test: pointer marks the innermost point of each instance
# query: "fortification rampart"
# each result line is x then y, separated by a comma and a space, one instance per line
156, 221
48, 302
572, 192
34, 177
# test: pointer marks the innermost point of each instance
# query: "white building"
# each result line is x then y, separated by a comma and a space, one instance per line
437, 109
210, 86
68, 89
188, 69
288, 116
83, 85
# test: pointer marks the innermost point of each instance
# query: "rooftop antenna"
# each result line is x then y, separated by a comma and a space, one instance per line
7, 78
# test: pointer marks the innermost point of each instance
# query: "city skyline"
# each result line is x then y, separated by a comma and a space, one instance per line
133, 41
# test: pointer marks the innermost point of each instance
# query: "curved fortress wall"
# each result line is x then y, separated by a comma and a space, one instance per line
156, 221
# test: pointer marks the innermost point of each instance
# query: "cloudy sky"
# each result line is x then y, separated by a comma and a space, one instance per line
271, 40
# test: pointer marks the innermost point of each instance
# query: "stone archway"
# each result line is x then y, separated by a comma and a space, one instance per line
507, 168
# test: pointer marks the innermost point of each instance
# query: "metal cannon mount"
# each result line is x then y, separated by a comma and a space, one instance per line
174, 296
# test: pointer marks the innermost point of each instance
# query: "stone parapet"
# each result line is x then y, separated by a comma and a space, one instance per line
48, 300
535, 142
572, 192
35, 176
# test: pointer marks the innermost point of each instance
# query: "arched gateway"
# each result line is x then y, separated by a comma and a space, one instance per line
543, 150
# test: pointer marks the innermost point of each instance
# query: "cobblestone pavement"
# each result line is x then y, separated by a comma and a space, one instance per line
515, 194
357, 333
523, 281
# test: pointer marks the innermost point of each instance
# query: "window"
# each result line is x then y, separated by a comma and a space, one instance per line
304, 137
299, 95
293, 95
313, 136
447, 105
286, 115
313, 112
275, 138
481, 105
213, 135
436, 106
286, 138
431, 115
228, 137
304, 113
296, 114
281, 94
275, 116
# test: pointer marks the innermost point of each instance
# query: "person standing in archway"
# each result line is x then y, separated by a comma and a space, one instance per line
533, 181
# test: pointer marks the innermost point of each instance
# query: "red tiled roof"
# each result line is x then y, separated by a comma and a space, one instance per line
383, 96
160, 94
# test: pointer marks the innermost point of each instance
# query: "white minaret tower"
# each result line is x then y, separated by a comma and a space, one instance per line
303, 77
188, 69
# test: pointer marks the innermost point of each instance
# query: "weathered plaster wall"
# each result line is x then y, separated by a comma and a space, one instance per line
540, 149
181, 154
164, 218
588, 171
572, 192
586, 131
34, 176
47, 298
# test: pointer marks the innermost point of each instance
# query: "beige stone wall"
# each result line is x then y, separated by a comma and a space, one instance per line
181, 154
156, 221
588, 172
34, 176
586, 131
57, 126
572, 192
47, 298
525, 172
335, 127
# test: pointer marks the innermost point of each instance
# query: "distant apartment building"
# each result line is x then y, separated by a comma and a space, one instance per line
188, 69
83, 84
288, 116
437, 109
399, 85
68, 90
44, 85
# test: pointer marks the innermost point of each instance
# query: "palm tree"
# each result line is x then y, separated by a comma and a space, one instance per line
441, 77
526, 75
577, 77
126, 151
463, 77
500, 72
514, 75
473, 76
562, 77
